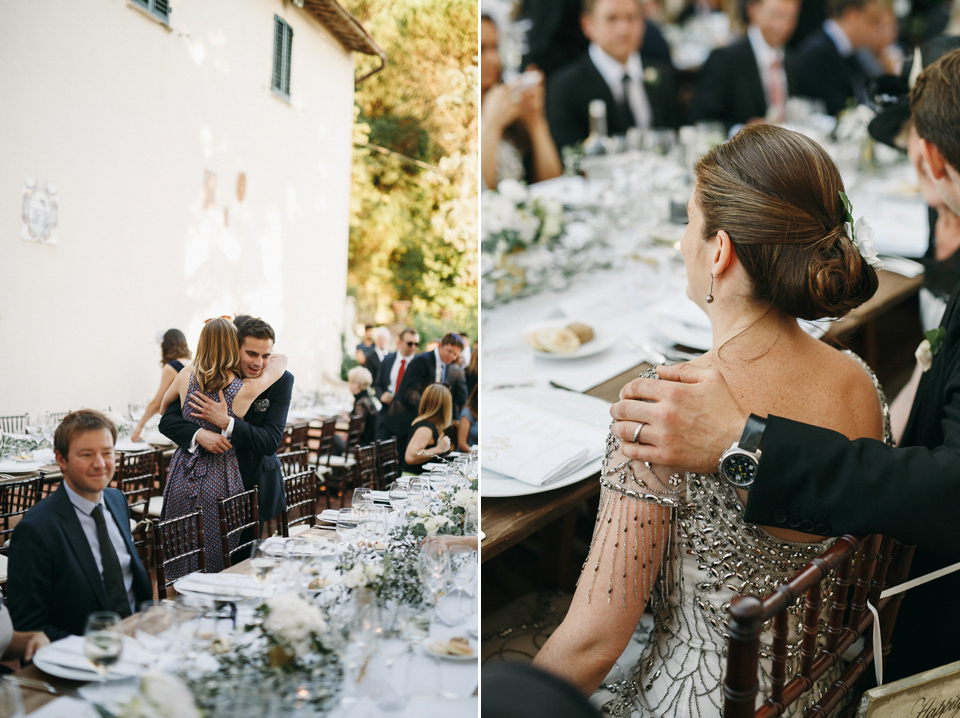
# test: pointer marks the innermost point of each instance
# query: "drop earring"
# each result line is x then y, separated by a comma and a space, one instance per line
709, 297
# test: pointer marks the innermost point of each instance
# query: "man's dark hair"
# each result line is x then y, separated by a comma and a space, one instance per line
452, 339
240, 319
78, 422
935, 106
257, 328
407, 330
836, 8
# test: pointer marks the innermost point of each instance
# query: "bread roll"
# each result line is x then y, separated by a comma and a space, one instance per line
584, 332
556, 340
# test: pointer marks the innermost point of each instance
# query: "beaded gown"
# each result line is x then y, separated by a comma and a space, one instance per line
197, 481
710, 554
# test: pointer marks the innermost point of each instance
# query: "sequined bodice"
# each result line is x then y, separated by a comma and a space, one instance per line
712, 555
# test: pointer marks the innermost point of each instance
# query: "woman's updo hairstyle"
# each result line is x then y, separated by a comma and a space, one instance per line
776, 193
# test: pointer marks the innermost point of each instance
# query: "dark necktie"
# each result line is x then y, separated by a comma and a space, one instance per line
625, 112
112, 573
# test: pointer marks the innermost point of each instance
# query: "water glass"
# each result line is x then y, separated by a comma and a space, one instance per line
433, 565
361, 495
348, 524
262, 563
155, 627
102, 641
11, 701
398, 493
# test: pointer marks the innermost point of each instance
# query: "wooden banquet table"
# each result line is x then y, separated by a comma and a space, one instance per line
508, 520
455, 675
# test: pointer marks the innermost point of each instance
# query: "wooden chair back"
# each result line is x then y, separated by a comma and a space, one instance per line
328, 430
366, 467
297, 436
16, 424
388, 463
354, 429
299, 491
137, 477
868, 565
178, 541
237, 514
17, 496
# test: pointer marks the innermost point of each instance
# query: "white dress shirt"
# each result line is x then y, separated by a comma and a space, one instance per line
612, 70
766, 56
840, 39
440, 365
84, 509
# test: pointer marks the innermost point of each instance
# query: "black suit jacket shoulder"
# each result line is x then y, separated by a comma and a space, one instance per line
54, 583
822, 74
571, 90
729, 88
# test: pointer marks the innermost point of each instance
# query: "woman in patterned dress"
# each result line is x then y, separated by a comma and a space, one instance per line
197, 481
767, 243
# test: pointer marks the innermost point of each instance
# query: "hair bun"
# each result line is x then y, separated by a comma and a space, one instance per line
838, 278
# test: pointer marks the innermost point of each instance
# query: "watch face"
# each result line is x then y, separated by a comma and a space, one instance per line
740, 470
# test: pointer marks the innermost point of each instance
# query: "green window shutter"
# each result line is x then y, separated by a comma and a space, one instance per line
282, 47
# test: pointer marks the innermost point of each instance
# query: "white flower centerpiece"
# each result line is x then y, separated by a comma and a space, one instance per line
527, 243
161, 695
287, 651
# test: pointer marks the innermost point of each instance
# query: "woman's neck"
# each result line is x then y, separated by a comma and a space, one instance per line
746, 331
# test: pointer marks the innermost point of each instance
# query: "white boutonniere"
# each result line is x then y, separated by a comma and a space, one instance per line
651, 76
861, 234
929, 347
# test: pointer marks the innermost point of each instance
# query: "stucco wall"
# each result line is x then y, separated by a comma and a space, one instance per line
125, 117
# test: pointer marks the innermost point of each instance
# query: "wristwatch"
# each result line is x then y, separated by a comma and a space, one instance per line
738, 464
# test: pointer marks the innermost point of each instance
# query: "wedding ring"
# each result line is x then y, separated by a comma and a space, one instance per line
636, 432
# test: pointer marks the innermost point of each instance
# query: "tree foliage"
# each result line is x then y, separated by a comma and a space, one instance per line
413, 219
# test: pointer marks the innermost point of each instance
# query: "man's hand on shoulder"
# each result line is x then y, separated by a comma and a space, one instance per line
213, 442
690, 418
203, 407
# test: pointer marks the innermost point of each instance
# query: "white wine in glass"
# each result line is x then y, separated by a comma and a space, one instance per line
103, 642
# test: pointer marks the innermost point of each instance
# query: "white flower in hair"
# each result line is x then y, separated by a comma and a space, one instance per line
863, 237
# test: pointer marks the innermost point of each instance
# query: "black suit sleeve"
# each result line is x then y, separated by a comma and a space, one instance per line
381, 382
711, 94
265, 439
860, 486
566, 115
415, 378
179, 430
32, 573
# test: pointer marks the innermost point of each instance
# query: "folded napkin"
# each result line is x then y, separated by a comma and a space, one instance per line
231, 584
329, 515
535, 446
69, 653
382, 497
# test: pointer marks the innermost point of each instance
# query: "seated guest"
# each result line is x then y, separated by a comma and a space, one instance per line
516, 139
635, 92
747, 81
882, 55
18, 644
468, 431
72, 554
436, 366
427, 439
827, 66
358, 381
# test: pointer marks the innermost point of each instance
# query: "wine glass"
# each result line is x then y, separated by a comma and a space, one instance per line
102, 641
348, 524
262, 563
398, 494
155, 628
433, 565
361, 495
11, 701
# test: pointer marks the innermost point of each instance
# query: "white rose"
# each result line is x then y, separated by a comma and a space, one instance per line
433, 523
864, 234
465, 498
578, 234
355, 577
924, 355
512, 189
373, 570
168, 695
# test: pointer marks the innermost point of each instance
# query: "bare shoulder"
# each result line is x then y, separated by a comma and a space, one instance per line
858, 403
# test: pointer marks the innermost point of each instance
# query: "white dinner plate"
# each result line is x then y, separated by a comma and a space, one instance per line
43, 660
602, 340
448, 656
494, 485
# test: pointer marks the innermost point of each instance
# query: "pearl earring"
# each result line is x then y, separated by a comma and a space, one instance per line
709, 297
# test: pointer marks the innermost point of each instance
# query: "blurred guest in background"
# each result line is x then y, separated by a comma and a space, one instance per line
516, 141
174, 356
748, 80
394, 366
827, 65
468, 431
427, 439
376, 352
359, 381
882, 55
636, 93
365, 343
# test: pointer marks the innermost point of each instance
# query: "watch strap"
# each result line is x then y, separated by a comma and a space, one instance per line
752, 433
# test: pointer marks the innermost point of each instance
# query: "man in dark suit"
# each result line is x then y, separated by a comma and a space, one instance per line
73, 554
377, 352
827, 66
394, 366
257, 435
437, 366
636, 93
748, 81
817, 480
